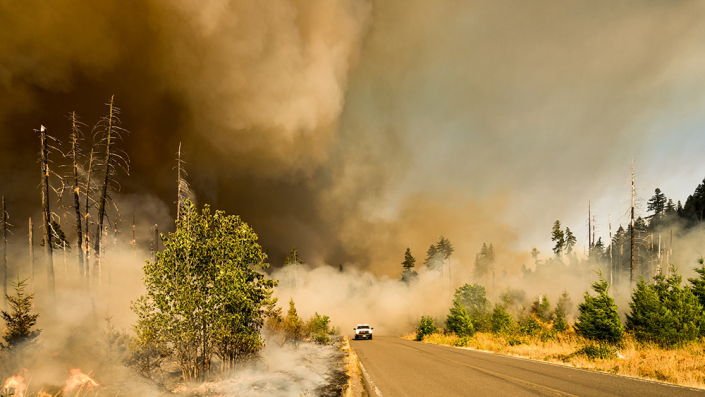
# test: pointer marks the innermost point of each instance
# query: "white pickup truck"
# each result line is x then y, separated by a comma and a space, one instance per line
363, 331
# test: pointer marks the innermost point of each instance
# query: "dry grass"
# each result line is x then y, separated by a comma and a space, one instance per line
352, 367
683, 366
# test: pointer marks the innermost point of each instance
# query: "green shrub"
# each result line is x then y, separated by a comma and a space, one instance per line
501, 320
541, 308
592, 352
559, 324
530, 326
426, 327
458, 321
664, 312
482, 322
461, 342
598, 319
318, 328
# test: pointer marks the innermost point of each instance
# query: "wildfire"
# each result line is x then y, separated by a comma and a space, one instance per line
77, 379
16, 383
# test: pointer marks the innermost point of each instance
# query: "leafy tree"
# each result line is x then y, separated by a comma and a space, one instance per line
664, 312
426, 327
473, 297
657, 203
541, 308
458, 321
18, 321
558, 237
598, 319
318, 328
570, 241
205, 292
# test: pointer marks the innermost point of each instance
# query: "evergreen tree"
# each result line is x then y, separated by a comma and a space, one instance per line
563, 310
18, 321
694, 209
541, 308
698, 284
408, 274
482, 266
293, 258
409, 260
664, 312
657, 203
293, 326
535, 255
501, 320
570, 241
426, 327
458, 321
558, 237
598, 319
433, 258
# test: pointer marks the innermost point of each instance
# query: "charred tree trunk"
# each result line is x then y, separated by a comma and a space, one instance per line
102, 198
76, 193
3, 227
46, 215
31, 256
631, 235
86, 215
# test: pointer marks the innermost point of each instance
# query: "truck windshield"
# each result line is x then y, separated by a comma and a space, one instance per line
363, 327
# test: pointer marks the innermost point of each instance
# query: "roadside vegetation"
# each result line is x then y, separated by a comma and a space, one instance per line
663, 338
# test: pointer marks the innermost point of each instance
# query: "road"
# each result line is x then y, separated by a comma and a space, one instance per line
404, 368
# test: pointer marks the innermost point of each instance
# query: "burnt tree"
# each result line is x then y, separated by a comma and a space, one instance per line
46, 214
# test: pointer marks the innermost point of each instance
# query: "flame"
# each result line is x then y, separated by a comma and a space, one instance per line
17, 384
78, 378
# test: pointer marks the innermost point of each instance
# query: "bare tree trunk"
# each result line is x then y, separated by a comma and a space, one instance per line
3, 227
134, 241
76, 193
104, 187
46, 216
87, 257
631, 261
31, 256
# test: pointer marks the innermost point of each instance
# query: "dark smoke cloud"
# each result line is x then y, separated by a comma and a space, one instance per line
353, 129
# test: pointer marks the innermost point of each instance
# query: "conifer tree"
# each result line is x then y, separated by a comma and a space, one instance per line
458, 321
598, 319
563, 309
409, 260
19, 323
558, 237
657, 203
570, 241
408, 274
664, 312
541, 308
432, 257
698, 284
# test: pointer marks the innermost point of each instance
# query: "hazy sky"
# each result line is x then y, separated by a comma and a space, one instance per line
355, 128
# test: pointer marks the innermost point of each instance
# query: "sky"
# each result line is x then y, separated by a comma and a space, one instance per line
353, 129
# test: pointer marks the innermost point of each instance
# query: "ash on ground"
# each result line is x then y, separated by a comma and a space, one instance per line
306, 369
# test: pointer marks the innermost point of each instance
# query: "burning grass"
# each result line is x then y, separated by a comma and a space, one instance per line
682, 366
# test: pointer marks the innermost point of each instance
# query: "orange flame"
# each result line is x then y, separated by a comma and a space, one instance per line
77, 379
16, 383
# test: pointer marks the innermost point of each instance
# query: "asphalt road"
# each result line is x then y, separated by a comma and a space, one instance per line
399, 367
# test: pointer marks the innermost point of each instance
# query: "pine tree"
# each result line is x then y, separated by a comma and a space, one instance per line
541, 308
598, 319
19, 322
482, 265
563, 310
664, 312
433, 257
657, 203
558, 237
570, 241
698, 284
458, 321
409, 260
535, 255
292, 323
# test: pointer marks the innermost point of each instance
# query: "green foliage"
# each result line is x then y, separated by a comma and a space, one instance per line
444, 247
598, 319
698, 284
318, 328
484, 261
664, 312
458, 321
530, 326
541, 308
434, 258
560, 324
205, 293
558, 237
474, 298
426, 327
409, 260
657, 203
564, 305
592, 352
501, 320
570, 240
18, 321
293, 326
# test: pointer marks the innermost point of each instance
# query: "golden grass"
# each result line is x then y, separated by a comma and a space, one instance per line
352, 367
683, 366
